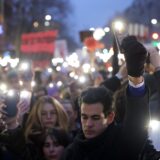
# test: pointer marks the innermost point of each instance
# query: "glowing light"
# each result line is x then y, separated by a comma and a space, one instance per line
49, 70
121, 56
35, 24
82, 79
46, 23
92, 29
14, 62
24, 66
155, 36
59, 83
76, 77
48, 17
55, 61
98, 34
51, 85
106, 29
72, 74
3, 87
86, 67
21, 83
110, 69
10, 93
154, 124
118, 25
33, 84
58, 68
105, 51
93, 69
65, 64
154, 21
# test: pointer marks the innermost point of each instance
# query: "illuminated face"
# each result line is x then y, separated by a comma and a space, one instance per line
48, 115
93, 119
52, 150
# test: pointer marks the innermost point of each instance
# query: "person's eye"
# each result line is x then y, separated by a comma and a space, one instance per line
96, 118
84, 117
53, 113
46, 145
43, 113
56, 144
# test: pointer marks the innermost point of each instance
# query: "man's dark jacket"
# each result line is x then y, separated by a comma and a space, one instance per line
116, 142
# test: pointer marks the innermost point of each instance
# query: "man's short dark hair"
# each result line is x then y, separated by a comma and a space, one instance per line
98, 95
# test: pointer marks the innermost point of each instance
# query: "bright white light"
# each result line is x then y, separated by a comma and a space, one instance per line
121, 56
49, 70
21, 83
106, 29
55, 61
86, 68
154, 124
51, 85
72, 74
3, 62
48, 17
65, 64
118, 25
14, 62
3, 87
10, 93
73, 60
25, 94
76, 77
98, 34
110, 69
33, 83
24, 66
58, 68
92, 29
82, 79
93, 69
154, 21
59, 83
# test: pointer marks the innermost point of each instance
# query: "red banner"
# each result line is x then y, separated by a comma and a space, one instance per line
38, 42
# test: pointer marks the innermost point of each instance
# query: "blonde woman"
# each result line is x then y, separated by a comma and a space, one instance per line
46, 113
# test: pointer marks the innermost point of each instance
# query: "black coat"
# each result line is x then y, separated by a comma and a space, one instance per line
116, 142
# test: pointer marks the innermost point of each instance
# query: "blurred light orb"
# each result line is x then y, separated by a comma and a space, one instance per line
35, 24
106, 29
154, 21
118, 25
48, 17
46, 23
98, 34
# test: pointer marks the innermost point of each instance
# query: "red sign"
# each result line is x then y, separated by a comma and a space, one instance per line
38, 42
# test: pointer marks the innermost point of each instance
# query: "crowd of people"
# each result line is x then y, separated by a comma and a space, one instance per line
107, 118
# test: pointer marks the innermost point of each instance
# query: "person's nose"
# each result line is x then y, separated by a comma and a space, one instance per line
51, 148
89, 122
48, 115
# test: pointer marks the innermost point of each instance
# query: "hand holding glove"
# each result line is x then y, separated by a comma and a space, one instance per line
135, 55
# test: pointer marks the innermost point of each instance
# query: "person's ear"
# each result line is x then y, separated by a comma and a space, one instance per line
110, 118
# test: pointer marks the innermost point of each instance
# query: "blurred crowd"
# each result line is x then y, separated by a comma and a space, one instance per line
48, 115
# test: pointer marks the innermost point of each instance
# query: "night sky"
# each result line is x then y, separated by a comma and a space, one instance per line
95, 13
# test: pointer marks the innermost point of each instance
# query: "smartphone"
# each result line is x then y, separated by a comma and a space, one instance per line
11, 101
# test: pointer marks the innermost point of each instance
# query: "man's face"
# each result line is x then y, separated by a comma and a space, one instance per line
93, 119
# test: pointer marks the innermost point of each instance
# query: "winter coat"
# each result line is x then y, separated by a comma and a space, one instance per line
117, 142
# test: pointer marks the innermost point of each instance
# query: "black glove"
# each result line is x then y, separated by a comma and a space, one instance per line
135, 55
